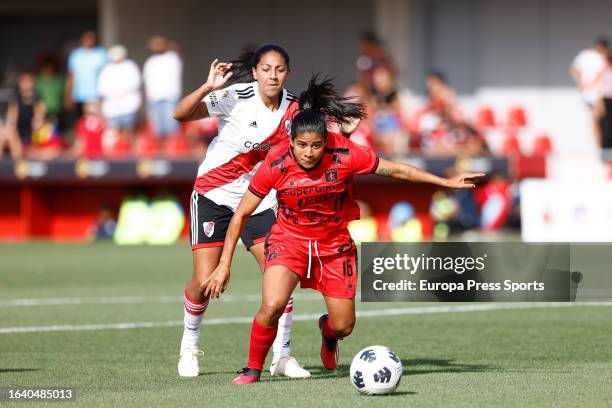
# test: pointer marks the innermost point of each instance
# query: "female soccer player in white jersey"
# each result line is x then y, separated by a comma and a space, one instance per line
251, 103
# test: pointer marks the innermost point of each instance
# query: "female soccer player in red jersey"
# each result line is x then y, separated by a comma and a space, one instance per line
252, 105
310, 243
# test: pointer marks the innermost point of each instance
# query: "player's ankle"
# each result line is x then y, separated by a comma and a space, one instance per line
250, 371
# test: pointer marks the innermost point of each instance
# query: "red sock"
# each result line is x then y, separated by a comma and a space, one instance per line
261, 341
329, 332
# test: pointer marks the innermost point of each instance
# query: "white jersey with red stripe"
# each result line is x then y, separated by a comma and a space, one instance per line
247, 131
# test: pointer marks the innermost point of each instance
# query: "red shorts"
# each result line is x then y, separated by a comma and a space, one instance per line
333, 274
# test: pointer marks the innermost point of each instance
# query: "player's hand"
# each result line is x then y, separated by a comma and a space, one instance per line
347, 128
217, 282
220, 73
464, 180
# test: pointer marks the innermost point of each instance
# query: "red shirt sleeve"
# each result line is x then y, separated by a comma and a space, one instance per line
363, 159
262, 181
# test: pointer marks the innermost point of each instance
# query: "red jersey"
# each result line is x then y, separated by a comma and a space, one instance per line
90, 129
314, 204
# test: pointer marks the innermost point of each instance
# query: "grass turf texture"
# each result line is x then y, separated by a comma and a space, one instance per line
529, 357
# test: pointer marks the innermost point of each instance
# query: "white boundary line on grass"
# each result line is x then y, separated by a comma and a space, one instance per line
124, 300
247, 320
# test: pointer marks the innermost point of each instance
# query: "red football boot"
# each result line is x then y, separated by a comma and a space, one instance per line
247, 376
330, 350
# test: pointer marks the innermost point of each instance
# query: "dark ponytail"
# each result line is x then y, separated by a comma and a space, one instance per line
322, 102
242, 68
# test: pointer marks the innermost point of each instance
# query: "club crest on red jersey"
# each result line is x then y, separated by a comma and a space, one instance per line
209, 228
288, 127
331, 175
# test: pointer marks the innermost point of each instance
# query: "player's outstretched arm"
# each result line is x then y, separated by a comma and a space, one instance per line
192, 107
219, 279
406, 172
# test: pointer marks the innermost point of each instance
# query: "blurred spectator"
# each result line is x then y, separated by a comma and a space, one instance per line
440, 95
119, 88
441, 126
365, 228
372, 55
50, 87
454, 138
104, 228
387, 124
200, 133
443, 211
84, 66
162, 76
453, 212
26, 113
47, 142
363, 134
403, 223
4, 140
604, 106
89, 133
586, 69
495, 202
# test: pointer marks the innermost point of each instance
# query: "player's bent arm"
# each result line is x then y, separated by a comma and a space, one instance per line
219, 279
406, 172
192, 107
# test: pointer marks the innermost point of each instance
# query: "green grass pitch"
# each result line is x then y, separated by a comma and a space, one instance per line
548, 356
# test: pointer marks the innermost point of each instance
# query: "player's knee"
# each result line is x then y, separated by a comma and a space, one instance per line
195, 291
343, 327
272, 309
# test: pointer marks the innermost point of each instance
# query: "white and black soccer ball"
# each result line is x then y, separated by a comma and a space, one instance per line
376, 370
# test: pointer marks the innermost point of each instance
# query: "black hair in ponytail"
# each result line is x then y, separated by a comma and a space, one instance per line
242, 68
320, 102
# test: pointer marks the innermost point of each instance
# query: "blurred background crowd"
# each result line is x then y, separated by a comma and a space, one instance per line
96, 102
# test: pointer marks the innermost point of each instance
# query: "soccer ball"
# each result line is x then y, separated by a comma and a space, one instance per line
376, 370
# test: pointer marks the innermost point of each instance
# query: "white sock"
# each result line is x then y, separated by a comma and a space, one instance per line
193, 314
281, 346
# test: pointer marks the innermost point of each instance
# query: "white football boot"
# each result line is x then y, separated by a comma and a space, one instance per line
288, 367
188, 365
